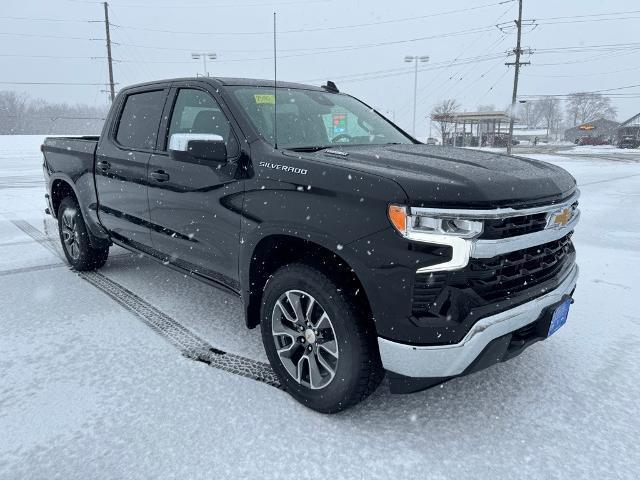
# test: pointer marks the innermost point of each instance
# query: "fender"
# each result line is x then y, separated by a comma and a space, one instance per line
251, 239
87, 200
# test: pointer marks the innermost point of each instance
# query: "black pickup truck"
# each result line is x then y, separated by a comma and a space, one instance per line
357, 249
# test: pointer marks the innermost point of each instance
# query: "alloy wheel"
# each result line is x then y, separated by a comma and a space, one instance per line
305, 339
70, 233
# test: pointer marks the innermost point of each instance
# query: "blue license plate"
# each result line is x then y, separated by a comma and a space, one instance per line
559, 317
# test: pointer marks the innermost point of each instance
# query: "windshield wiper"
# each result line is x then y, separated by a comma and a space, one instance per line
309, 149
317, 148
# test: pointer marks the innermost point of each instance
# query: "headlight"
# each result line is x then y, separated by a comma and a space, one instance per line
453, 232
418, 227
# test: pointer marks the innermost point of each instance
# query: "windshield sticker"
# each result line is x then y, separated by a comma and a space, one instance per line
265, 99
339, 123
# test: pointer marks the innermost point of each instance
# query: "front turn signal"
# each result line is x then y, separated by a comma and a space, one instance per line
398, 217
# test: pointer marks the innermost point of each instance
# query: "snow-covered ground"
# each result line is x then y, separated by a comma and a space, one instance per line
566, 148
88, 390
602, 150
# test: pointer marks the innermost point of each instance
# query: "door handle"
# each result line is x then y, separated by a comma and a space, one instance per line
159, 176
103, 165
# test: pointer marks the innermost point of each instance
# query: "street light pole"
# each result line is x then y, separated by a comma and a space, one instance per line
204, 55
415, 95
415, 59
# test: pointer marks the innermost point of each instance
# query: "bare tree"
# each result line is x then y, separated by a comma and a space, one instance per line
529, 114
12, 112
21, 115
442, 114
486, 108
583, 107
549, 111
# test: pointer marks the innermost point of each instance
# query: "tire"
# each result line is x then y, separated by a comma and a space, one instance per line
342, 342
75, 240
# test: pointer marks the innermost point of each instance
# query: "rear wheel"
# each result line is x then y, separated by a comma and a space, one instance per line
74, 237
323, 351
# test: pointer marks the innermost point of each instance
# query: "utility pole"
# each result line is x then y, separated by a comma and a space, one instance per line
517, 64
112, 90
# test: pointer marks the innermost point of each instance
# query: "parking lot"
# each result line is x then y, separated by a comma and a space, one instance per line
140, 372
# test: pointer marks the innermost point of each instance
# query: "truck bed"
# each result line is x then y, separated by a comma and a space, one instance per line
71, 160
69, 154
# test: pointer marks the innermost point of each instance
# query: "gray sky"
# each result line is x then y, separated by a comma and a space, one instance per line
239, 32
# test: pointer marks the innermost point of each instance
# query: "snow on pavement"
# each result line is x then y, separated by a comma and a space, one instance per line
87, 390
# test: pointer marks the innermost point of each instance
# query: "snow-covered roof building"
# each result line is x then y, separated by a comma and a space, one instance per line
524, 132
630, 128
597, 128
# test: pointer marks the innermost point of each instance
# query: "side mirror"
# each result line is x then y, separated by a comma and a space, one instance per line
197, 147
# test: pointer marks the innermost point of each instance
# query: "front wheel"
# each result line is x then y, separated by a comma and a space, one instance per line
322, 349
74, 237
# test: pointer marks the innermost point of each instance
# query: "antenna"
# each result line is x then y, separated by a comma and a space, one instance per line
275, 86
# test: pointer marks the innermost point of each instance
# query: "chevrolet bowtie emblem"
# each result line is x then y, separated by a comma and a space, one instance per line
562, 218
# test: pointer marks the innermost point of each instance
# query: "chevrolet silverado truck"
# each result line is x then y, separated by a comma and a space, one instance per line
358, 250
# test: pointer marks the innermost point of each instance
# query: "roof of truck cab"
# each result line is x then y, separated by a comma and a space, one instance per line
230, 81
256, 82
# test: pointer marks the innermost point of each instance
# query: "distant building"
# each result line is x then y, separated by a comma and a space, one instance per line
601, 128
528, 134
629, 132
473, 129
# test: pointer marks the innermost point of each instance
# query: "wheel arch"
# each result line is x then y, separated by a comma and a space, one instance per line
60, 189
275, 250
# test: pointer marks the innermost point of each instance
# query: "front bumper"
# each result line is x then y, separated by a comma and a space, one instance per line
444, 361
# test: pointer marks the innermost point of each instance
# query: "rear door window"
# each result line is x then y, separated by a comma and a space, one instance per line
140, 119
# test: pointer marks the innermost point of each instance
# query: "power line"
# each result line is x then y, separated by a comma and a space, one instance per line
574, 75
542, 22
321, 29
213, 5
604, 90
337, 48
568, 96
585, 48
57, 57
377, 74
591, 15
137, 59
362, 75
39, 35
494, 85
40, 19
462, 72
590, 59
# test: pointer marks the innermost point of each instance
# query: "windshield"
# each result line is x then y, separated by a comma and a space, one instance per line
314, 119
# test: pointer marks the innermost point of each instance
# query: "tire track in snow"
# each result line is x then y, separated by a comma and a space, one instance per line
190, 344
35, 268
608, 180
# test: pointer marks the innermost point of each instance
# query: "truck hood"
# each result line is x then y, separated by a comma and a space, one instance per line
449, 177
